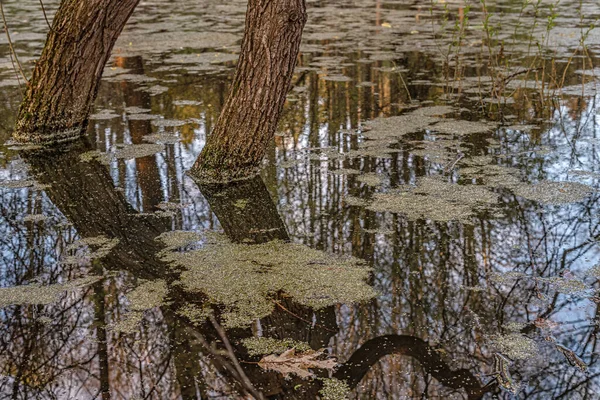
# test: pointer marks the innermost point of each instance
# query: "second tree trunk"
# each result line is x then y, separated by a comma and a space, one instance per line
235, 148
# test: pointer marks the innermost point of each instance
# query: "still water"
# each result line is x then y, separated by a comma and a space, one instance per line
426, 224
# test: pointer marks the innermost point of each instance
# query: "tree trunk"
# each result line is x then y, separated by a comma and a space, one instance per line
246, 126
65, 80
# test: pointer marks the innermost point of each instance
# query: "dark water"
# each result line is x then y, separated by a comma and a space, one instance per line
479, 220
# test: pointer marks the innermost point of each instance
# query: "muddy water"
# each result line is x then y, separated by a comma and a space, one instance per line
427, 214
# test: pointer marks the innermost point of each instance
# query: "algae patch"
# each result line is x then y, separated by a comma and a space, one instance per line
258, 346
436, 200
95, 247
244, 278
370, 179
146, 296
139, 150
41, 294
548, 192
515, 345
334, 389
174, 240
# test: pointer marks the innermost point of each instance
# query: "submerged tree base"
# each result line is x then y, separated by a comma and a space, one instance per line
222, 175
47, 136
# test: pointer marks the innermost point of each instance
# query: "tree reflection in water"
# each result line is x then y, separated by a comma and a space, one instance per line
450, 294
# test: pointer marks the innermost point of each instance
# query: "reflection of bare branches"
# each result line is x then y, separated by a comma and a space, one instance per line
373, 350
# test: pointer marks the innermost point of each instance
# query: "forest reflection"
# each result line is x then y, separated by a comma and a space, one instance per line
519, 275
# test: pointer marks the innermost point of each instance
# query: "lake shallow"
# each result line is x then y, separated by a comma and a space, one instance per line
426, 224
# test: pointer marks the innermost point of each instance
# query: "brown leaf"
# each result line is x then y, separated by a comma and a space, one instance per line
289, 362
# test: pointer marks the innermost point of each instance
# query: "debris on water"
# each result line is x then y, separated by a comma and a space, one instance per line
35, 218
573, 359
502, 373
294, 363
258, 346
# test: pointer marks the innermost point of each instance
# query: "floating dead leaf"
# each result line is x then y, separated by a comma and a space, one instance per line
571, 357
289, 362
502, 373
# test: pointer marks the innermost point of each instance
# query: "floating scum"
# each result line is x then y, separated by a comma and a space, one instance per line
245, 278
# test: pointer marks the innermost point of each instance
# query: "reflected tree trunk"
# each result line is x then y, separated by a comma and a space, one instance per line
237, 145
246, 211
65, 80
361, 361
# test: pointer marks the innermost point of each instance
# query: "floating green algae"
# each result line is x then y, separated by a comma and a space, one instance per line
194, 313
334, 389
515, 345
174, 240
435, 199
244, 278
258, 346
433, 111
463, 127
17, 184
370, 179
396, 127
355, 201
138, 150
548, 192
97, 246
95, 155
148, 295
41, 294
162, 138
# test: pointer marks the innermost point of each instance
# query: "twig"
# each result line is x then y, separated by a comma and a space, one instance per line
449, 168
45, 16
12, 49
303, 319
235, 361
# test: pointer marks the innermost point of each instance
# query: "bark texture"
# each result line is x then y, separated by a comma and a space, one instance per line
235, 148
65, 80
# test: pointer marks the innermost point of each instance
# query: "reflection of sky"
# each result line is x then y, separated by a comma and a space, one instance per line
425, 272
